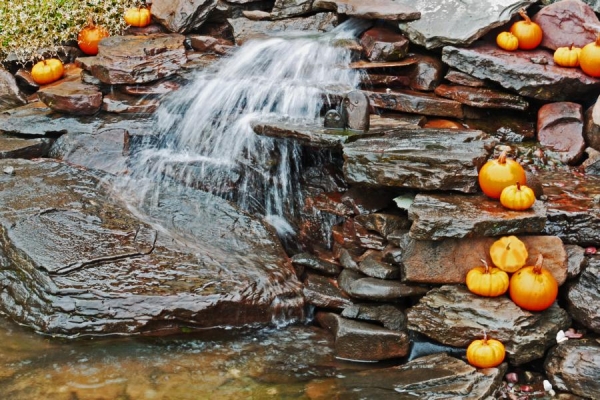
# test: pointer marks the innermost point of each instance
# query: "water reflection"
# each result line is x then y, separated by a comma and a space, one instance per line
250, 364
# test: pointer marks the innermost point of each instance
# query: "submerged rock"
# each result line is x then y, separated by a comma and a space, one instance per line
78, 262
455, 317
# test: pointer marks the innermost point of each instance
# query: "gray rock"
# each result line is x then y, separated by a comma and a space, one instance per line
455, 317
576, 260
560, 128
10, 95
591, 165
323, 292
389, 315
411, 101
182, 15
567, 23
440, 159
379, 9
136, 59
72, 98
426, 73
77, 262
358, 286
443, 216
460, 78
516, 71
372, 265
245, 29
454, 22
355, 111
574, 367
313, 262
291, 8
333, 119
583, 298
383, 223
573, 212
12, 147
434, 377
361, 341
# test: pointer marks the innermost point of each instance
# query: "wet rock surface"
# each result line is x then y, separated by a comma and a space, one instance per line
10, 95
573, 366
363, 287
418, 159
182, 15
410, 101
72, 98
290, 8
583, 299
468, 23
92, 267
374, 9
13, 147
560, 128
454, 316
442, 216
382, 44
136, 59
436, 376
516, 71
482, 98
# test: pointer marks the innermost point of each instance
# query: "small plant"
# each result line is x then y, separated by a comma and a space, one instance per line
29, 25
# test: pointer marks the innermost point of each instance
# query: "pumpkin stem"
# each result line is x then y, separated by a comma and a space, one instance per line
538, 264
502, 158
486, 266
524, 15
90, 21
485, 337
518, 185
598, 39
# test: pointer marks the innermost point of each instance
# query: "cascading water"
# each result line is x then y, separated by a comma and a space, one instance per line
205, 137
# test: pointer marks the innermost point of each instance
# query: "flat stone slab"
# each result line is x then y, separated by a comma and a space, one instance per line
362, 64
448, 261
411, 101
435, 376
423, 159
136, 59
72, 98
12, 147
542, 80
444, 216
372, 9
583, 297
455, 317
573, 206
482, 97
78, 262
454, 22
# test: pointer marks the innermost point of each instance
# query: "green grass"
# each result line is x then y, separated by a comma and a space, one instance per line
29, 25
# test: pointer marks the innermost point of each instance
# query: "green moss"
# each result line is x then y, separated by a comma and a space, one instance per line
29, 25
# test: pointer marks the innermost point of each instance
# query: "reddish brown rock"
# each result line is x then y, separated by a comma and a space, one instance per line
388, 81
591, 131
591, 165
566, 23
449, 261
482, 98
209, 44
560, 127
426, 73
415, 102
151, 89
373, 9
123, 103
72, 98
182, 15
460, 78
506, 126
383, 44
12, 147
323, 292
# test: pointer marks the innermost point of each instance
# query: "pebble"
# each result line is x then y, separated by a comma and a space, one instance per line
9, 170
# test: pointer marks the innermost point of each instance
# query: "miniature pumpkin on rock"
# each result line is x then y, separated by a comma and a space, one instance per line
533, 288
517, 197
487, 281
589, 58
486, 352
47, 71
509, 253
507, 41
139, 17
527, 32
495, 175
89, 37
567, 56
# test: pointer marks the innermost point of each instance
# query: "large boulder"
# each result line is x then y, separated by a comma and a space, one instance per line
72, 98
182, 15
75, 261
10, 95
455, 22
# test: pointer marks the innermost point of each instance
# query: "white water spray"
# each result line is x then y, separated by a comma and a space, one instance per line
205, 138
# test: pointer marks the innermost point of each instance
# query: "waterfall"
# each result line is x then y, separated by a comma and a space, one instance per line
204, 133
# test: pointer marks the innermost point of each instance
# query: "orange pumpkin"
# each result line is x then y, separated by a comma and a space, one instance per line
47, 71
533, 288
139, 17
507, 41
567, 57
527, 32
89, 37
509, 253
487, 281
495, 175
517, 197
485, 353
443, 124
589, 58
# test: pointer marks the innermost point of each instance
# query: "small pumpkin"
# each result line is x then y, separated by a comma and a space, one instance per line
487, 281
443, 124
495, 175
509, 253
567, 56
517, 197
486, 352
89, 37
507, 41
527, 32
589, 58
47, 71
533, 288
139, 17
